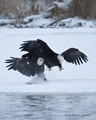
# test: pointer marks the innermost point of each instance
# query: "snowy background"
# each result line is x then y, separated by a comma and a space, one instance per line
72, 79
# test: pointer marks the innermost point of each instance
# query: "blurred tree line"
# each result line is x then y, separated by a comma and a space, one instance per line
21, 8
83, 8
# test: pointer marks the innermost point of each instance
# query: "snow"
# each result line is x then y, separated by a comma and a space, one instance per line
41, 21
75, 22
6, 21
62, 5
72, 79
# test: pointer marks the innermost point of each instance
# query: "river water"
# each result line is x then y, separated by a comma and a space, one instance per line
65, 106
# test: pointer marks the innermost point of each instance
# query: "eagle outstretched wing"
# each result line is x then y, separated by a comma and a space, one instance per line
24, 66
74, 56
30, 46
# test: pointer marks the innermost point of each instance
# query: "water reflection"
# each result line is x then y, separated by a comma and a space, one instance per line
44, 107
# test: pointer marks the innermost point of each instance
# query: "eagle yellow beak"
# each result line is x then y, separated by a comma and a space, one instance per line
60, 62
42, 59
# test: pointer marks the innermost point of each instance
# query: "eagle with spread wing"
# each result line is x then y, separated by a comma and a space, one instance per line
38, 48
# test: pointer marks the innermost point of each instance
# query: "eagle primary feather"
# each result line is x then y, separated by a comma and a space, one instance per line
73, 55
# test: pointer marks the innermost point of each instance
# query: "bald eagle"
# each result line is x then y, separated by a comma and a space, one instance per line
27, 67
38, 48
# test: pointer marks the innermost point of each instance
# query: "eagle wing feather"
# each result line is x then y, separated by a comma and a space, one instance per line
24, 66
74, 56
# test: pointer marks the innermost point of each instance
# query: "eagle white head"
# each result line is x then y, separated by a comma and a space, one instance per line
60, 58
40, 61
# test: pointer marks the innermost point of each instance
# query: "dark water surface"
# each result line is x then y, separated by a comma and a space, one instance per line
65, 106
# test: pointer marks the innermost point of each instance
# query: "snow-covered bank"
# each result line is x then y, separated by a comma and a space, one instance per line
72, 79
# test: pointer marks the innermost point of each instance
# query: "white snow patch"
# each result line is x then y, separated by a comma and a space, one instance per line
75, 22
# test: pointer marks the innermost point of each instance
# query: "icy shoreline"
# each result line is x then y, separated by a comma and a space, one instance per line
72, 86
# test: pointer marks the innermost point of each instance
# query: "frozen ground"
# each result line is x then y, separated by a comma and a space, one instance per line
72, 79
